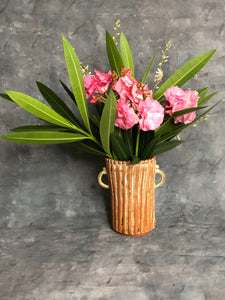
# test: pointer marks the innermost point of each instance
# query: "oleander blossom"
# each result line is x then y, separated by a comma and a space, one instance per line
97, 84
136, 105
126, 116
151, 114
178, 99
126, 86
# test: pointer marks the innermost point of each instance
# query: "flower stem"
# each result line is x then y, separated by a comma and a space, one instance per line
137, 142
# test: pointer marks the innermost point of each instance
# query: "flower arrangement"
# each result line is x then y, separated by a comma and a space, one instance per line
134, 121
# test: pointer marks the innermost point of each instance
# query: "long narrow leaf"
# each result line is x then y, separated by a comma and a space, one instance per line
5, 96
126, 53
186, 72
39, 109
120, 148
180, 127
57, 103
187, 110
145, 138
166, 146
90, 147
148, 69
166, 127
148, 151
69, 92
95, 130
128, 139
107, 121
43, 137
39, 128
203, 92
115, 59
96, 120
170, 135
99, 107
204, 113
206, 99
135, 160
76, 79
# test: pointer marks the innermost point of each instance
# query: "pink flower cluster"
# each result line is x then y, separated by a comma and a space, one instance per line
178, 99
135, 104
97, 84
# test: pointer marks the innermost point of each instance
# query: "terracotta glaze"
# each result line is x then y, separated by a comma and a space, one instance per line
132, 195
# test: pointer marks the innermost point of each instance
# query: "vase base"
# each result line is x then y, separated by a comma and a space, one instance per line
134, 235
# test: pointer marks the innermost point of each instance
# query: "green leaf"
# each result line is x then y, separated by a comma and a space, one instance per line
178, 128
148, 151
43, 137
186, 72
39, 128
115, 59
39, 109
90, 147
202, 92
107, 121
166, 127
203, 100
77, 82
128, 139
5, 96
135, 160
204, 113
145, 138
96, 120
95, 130
120, 148
186, 111
99, 107
57, 103
126, 53
166, 146
148, 69
69, 92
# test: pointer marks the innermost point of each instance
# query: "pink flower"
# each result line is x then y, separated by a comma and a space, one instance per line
126, 117
104, 81
124, 86
136, 104
178, 99
90, 83
97, 84
152, 114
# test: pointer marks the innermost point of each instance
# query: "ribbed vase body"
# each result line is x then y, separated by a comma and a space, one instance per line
132, 196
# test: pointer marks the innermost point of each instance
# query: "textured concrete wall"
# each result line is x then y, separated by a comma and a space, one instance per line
45, 186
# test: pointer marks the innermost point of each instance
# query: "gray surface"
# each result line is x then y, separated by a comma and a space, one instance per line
56, 242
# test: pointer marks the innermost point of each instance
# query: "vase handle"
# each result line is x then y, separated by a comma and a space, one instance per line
100, 174
163, 179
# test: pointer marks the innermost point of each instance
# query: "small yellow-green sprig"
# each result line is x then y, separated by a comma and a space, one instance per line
164, 56
201, 119
177, 137
117, 34
84, 69
159, 73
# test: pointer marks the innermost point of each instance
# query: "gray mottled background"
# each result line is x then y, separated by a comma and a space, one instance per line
56, 241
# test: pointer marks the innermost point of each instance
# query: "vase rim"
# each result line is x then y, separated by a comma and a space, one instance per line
129, 162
